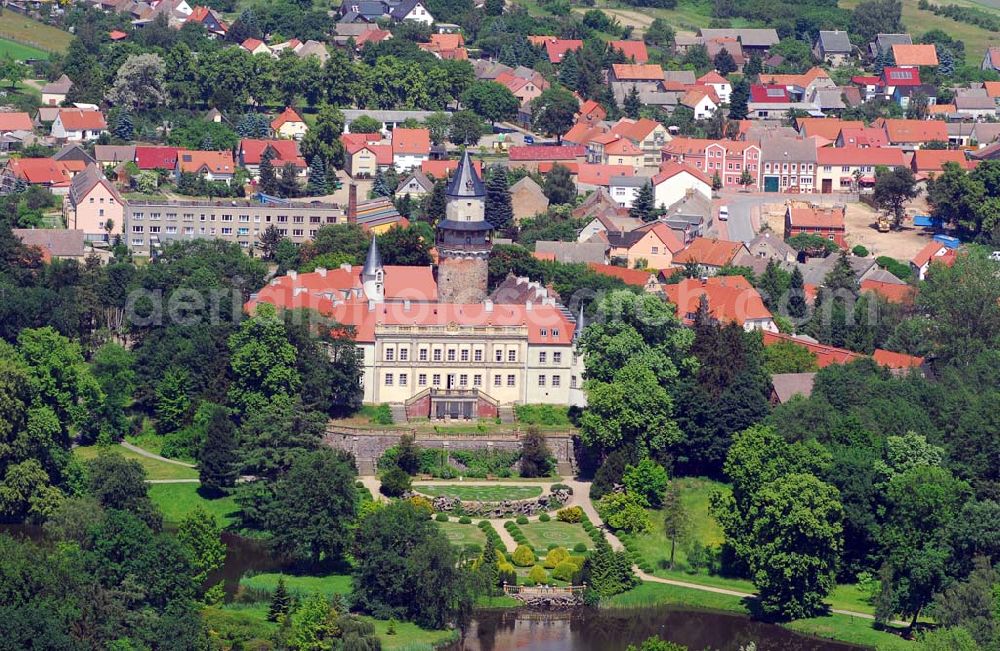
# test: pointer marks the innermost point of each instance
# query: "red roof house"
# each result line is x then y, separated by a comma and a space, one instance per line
153, 158
634, 50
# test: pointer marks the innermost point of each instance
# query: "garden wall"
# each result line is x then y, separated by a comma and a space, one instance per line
367, 445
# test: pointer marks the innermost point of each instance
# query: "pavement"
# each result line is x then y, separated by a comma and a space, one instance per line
745, 210
146, 453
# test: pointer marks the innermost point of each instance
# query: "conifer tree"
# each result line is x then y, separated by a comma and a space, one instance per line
217, 461
380, 188
124, 128
739, 99
797, 295
267, 176
632, 104
644, 204
281, 602
489, 570
317, 177
435, 202
499, 211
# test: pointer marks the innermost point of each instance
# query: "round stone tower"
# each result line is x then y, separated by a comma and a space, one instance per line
463, 238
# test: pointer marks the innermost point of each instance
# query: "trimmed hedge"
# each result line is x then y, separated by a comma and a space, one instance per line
564, 571
465, 520
523, 556
441, 517
580, 548
522, 519
538, 575
564, 487
555, 556
545, 517
570, 514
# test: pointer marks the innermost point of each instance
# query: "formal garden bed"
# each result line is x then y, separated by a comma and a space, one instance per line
471, 493
463, 535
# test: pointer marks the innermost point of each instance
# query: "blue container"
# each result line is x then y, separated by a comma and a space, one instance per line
925, 221
948, 241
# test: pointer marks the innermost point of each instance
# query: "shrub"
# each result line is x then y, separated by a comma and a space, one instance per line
577, 560
473, 549
564, 487
395, 482
551, 546
521, 519
465, 520
381, 415
570, 514
898, 269
422, 504
623, 511
579, 548
555, 556
538, 575
860, 251
507, 573
550, 415
441, 517
545, 517
523, 556
564, 571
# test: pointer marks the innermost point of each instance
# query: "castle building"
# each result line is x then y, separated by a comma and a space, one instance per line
439, 347
463, 239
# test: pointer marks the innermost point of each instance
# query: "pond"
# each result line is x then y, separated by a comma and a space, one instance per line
614, 630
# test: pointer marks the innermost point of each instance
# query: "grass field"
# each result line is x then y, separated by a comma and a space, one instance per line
177, 500
542, 534
27, 31
300, 585
919, 21
154, 469
20, 52
463, 534
479, 493
837, 627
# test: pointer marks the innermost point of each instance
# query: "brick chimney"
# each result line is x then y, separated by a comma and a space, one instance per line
352, 203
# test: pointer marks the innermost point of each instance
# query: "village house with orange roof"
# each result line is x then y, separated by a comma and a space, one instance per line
731, 299
289, 124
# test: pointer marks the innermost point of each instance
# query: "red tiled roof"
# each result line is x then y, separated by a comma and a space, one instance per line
151, 158
866, 80
712, 77
442, 169
79, 119
761, 94
930, 251
592, 174
825, 355
901, 76
914, 131
634, 277
671, 169
372, 36
893, 360
117, 35
15, 121
697, 146
251, 44
816, 217
288, 115
545, 152
992, 87
544, 167
914, 55
635, 130
637, 72
285, 151
892, 292
665, 235
621, 147
632, 50
215, 162
933, 160
556, 48
709, 251
411, 141
582, 132
888, 156
828, 128
731, 299
864, 137
42, 171
591, 107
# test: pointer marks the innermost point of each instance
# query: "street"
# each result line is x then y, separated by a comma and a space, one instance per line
744, 210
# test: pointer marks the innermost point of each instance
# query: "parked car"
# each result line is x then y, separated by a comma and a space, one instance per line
723, 213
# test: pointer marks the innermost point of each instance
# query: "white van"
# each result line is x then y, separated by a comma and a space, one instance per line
723, 213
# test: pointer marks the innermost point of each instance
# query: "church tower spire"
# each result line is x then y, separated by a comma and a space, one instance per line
373, 274
463, 237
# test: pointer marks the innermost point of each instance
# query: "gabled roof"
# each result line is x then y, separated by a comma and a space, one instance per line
709, 251
834, 42
749, 37
825, 355
289, 115
801, 81
816, 216
84, 182
933, 160
411, 141
252, 44
828, 128
420, 178
671, 169
545, 152
892, 292
54, 242
42, 171
731, 299
213, 162
74, 119
556, 49
900, 76
114, 153
914, 131
788, 385
863, 137
151, 158
591, 174
15, 121
930, 251
637, 72
914, 55
694, 96
712, 77
60, 86
632, 50
441, 169
283, 151
760, 94
634, 277
635, 130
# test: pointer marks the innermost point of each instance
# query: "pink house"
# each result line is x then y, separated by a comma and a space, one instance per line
725, 158
93, 204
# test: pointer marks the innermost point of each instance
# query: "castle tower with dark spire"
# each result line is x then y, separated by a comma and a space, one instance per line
373, 274
463, 238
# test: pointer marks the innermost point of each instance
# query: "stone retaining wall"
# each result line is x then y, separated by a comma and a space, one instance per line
368, 445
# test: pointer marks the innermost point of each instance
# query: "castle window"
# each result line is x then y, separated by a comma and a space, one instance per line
499, 355
422, 354
496, 380
390, 354
437, 354
402, 379
541, 357
404, 354
572, 382
422, 380
436, 380
464, 356
512, 355
555, 380
477, 380
557, 358
543, 332
388, 379
511, 380
477, 355
451, 354
463, 380
541, 380
555, 333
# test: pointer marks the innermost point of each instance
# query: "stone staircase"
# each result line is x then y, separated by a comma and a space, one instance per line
506, 413
398, 410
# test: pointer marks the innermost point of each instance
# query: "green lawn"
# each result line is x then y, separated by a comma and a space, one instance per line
28, 31
542, 534
838, 627
301, 585
410, 636
479, 493
154, 469
177, 500
20, 52
463, 534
